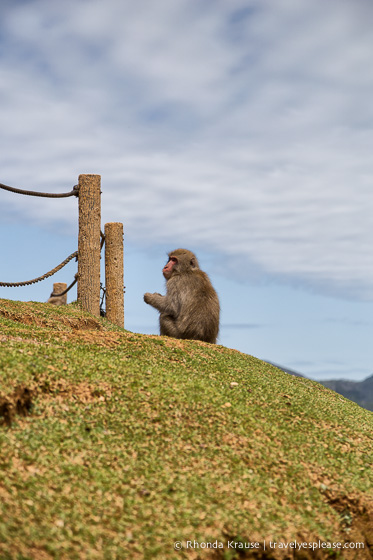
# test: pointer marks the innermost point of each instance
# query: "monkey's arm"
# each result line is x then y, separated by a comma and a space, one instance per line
164, 304
160, 302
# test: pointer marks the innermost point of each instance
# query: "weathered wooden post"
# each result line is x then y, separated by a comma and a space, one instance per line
89, 243
114, 273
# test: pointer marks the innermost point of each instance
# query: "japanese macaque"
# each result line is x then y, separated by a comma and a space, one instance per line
58, 288
190, 309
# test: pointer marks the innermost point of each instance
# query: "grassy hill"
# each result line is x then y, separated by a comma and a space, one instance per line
116, 445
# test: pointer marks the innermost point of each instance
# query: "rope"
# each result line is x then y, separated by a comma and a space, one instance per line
76, 279
74, 192
46, 275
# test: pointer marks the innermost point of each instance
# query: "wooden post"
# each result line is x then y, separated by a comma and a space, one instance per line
114, 273
89, 243
58, 288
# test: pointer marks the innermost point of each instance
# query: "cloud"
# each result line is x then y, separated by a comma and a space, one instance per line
242, 128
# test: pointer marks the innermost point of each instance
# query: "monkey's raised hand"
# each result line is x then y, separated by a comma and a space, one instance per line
148, 298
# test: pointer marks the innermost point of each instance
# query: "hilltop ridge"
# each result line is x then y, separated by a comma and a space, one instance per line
360, 392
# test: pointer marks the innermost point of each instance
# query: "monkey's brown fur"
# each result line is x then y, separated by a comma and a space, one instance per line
57, 300
190, 309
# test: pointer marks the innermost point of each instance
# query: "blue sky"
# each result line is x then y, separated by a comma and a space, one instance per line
241, 130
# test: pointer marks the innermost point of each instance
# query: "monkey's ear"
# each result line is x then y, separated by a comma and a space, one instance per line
193, 263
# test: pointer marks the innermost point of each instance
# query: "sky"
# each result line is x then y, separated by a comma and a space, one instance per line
239, 129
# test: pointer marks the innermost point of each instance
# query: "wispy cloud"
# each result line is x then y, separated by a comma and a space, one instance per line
243, 128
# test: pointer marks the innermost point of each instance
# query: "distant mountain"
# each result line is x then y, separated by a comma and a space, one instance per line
286, 370
360, 392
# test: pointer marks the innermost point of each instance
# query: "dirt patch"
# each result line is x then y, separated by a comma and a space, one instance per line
8, 338
61, 390
84, 324
19, 402
356, 514
105, 339
74, 323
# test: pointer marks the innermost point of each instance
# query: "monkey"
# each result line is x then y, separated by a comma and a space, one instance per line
190, 309
60, 297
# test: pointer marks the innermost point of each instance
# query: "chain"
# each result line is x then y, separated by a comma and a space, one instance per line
74, 192
47, 275
102, 240
102, 310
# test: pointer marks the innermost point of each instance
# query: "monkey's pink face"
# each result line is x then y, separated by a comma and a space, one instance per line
168, 268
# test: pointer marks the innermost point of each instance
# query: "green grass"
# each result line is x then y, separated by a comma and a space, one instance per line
134, 442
